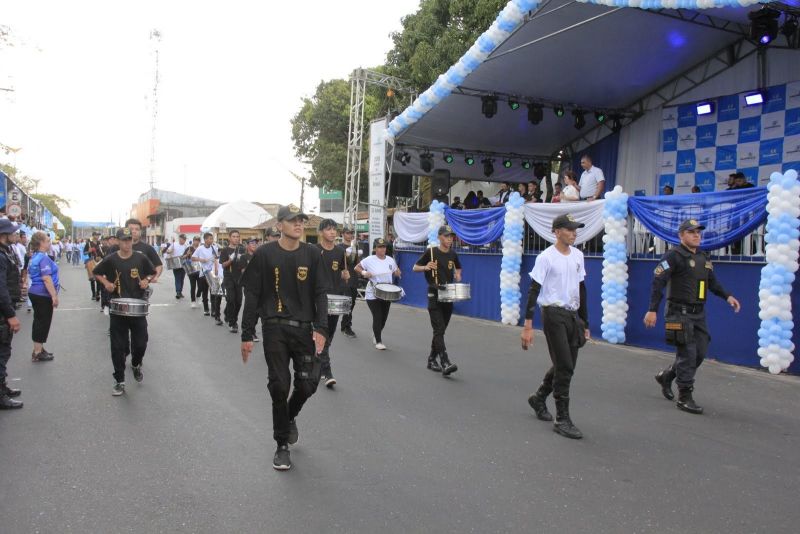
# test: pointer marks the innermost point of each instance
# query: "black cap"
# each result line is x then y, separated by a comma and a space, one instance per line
567, 221
253, 240
272, 231
8, 227
290, 212
379, 242
124, 233
690, 224
327, 223
347, 229
446, 230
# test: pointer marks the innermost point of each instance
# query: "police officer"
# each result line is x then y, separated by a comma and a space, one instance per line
285, 285
689, 276
10, 324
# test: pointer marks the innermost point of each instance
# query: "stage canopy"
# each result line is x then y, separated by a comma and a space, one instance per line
239, 214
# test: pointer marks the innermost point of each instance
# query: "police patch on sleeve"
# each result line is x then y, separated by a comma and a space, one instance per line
661, 267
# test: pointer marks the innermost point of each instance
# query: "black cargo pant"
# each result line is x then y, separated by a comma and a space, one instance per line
127, 332
6, 335
561, 330
233, 300
440, 313
688, 356
325, 355
347, 320
284, 344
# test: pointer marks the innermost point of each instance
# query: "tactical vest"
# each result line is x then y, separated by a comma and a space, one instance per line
690, 284
12, 273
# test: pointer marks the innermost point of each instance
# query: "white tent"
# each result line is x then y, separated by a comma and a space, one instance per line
238, 214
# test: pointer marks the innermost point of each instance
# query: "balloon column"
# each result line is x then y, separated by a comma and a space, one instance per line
775, 290
615, 267
512, 260
435, 220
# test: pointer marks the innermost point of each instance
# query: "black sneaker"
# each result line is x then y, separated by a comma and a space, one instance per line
255, 339
43, 356
281, 461
294, 434
119, 389
349, 332
206, 313
330, 382
218, 321
137, 372
234, 328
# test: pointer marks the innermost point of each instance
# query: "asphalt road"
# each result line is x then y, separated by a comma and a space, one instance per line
394, 448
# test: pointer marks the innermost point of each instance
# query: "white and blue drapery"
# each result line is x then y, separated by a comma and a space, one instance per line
477, 227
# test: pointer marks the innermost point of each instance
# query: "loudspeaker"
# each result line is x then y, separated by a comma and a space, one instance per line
400, 185
440, 183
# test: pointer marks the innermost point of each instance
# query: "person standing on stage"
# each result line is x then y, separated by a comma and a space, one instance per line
43, 293
10, 324
205, 254
441, 266
232, 263
378, 269
689, 276
176, 250
353, 255
193, 276
285, 285
126, 273
592, 182
557, 286
333, 265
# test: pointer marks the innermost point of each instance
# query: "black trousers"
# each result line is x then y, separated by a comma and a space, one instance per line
95, 287
105, 297
216, 305
233, 301
5, 355
202, 290
127, 333
284, 344
179, 275
690, 356
347, 320
325, 355
42, 317
380, 312
440, 313
561, 331
193, 286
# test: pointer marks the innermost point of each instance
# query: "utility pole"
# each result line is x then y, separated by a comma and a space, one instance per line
302, 180
155, 39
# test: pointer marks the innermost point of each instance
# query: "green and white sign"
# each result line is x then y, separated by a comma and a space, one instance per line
330, 194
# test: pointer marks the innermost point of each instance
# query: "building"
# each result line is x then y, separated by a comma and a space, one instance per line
158, 207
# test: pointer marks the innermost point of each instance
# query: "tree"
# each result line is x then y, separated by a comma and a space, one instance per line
55, 204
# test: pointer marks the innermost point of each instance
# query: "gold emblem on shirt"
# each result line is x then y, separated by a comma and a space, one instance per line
691, 263
335, 265
450, 265
659, 270
302, 273
134, 273
709, 266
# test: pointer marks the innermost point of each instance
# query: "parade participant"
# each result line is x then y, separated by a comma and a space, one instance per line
216, 298
285, 285
176, 250
353, 255
441, 266
378, 269
557, 286
126, 274
205, 254
43, 272
252, 245
10, 324
272, 234
231, 259
193, 276
689, 275
140, 246
91, 252
333, 265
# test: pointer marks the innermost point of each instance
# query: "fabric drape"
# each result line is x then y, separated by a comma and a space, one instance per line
540, 218
411, 227
477, 227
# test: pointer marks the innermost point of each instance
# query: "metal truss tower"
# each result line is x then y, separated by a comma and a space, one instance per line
155, 39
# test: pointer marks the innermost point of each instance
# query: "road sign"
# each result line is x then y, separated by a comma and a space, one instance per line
14, 210
15, 196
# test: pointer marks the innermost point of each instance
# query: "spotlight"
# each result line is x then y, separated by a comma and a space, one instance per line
616, 123
513, 103
764, 25
753, 99
580, 119
489, 106
404, 158
488, 167
469, 160
600, 116
535, 113
559, 111
448, 158
426, 162
705, 108
507, 163
526, 164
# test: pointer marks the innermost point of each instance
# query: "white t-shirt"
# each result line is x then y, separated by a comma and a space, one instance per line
560, 277
206, 255
569, 194
589, 181
19, 250
176, 250
381, 270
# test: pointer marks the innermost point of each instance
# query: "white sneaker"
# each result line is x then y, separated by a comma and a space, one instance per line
380, 346
106, 310
194, 304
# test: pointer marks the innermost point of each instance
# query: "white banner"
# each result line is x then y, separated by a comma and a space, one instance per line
540, 218
377, 180
411, 227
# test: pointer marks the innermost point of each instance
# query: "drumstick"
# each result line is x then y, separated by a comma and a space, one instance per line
435, 271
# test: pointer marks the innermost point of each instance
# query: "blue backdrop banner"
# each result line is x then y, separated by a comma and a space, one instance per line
477, 227
728, 215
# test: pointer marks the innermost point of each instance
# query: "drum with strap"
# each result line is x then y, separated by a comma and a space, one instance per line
129, 307
388, 292
454, 292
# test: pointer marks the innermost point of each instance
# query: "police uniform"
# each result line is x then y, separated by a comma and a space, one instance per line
9, 275
689, 277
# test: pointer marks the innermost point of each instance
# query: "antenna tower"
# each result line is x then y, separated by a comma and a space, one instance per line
155, 40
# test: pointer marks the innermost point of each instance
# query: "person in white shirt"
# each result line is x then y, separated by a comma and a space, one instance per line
176, 250
592, 183
557, 286
571, 191
205, 254
378, 269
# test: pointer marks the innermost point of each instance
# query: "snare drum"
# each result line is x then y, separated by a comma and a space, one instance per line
388, 292
174, 263
454, 292
129, 307
214, 284
195, 267
339, 305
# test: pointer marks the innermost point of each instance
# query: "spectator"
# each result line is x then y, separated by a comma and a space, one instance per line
522, 189
534, 194
556, 192
470, 201
741, 181
696, 189
593, 182
731, 181
483, 202
43, 272
667, 190
457, 205
503, 194
571, 191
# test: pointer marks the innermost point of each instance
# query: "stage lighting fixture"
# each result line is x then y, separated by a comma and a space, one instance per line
764, 25
489, 106
753, 99
616, 123
535, 113
469, 160
507, 163
789, 27
559, 111
580, 118
526, 164
488, 167
448, 158
600, 116
513, 103
705, 108
404, 158
426, 162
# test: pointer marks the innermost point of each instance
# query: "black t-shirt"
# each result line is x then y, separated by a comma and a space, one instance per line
126, 274
144, 248
238, 264
332, 265
448, 262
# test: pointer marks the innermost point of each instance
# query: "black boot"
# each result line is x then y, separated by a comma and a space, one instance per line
537, 401
7, 403
686, 402
5, 390
665, 378
448, 368
433, 363
563, 424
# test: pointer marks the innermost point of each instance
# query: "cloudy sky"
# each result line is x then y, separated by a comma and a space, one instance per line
232, 76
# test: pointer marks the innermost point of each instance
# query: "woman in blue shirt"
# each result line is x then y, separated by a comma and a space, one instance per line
43, 273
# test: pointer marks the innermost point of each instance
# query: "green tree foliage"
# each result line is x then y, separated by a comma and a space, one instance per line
55, 204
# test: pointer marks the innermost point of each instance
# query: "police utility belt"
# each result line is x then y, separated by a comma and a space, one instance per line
290, 322
678, 327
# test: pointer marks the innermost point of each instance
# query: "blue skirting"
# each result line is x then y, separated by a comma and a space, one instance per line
734, 336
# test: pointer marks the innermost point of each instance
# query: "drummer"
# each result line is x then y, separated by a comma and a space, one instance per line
131, 272
176, 250
193, 275
333, 265
441, 266
378, 269
205, 254
216, 296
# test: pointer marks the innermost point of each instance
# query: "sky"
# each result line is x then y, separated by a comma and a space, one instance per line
232, 75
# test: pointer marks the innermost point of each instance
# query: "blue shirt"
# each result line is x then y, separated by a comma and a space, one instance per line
41, 265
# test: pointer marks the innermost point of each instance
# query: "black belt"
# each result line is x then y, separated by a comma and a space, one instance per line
560, 309
289, 322
685, 308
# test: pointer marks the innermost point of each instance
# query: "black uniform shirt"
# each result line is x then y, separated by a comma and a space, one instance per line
447, 264
351, 260
126, 274
690, 275
238, 264
7, 268
332, 265
144, 248
285, 284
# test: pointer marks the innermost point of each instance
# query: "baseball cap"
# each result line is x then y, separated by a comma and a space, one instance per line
253, 240
290, 212
124, 233
8, 227
690, 224
347, 229
446, 230
327, 223
379, 242
567, 221
272, 231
